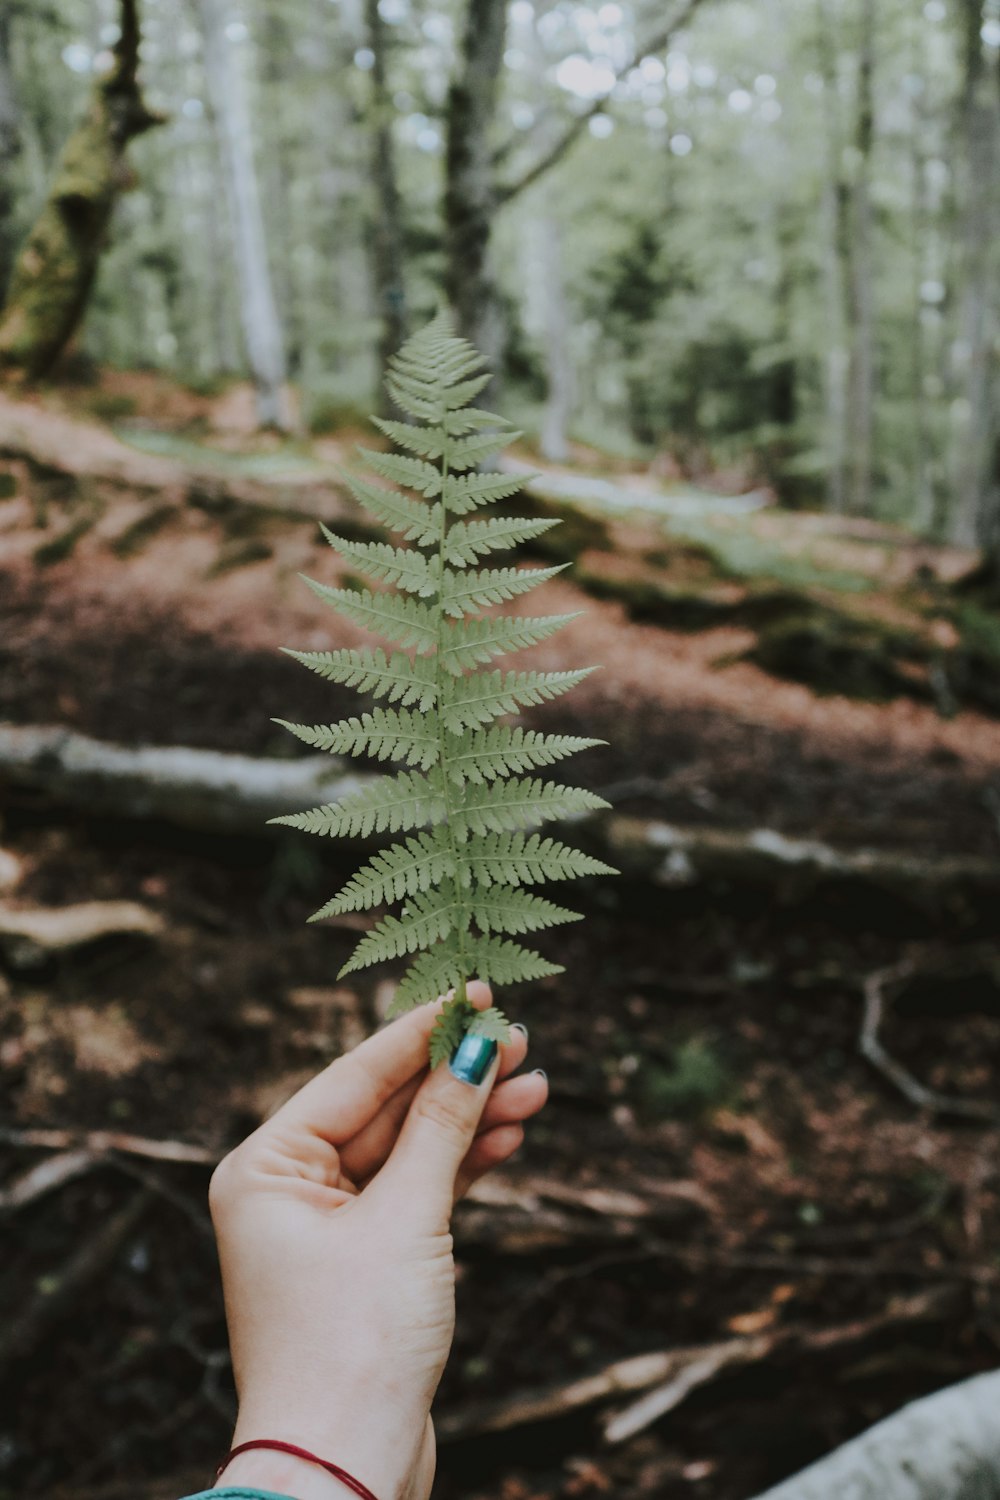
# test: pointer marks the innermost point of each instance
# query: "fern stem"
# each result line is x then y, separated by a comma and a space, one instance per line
462, 919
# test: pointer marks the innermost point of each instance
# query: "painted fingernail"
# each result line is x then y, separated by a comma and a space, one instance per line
520, 1026
471, 1059
541, 1073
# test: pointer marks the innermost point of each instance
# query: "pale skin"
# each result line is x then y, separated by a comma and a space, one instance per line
333, 1225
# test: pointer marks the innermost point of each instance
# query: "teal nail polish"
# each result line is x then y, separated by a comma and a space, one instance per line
471, 1059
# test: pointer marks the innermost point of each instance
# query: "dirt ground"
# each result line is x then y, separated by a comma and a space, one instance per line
702, 1048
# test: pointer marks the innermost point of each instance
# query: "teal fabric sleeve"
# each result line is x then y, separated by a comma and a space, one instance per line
236, 1492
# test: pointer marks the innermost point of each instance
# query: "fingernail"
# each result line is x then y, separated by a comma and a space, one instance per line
520, 1026
541, 1073
471, 1059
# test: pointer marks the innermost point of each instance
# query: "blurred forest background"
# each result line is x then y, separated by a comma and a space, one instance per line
737, 268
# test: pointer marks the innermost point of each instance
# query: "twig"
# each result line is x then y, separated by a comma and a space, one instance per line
870, 1046
99, 1141
703, 1365
675, 1372
45, 1176
573, 131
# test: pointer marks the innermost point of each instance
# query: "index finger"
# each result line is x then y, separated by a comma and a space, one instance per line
340, 1101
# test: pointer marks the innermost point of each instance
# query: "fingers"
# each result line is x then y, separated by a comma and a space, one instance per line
342, 1099
514, 1101
418, 1180
363, 1156
491, 1149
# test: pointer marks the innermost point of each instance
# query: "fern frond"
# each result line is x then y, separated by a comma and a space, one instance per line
384, 733
524, 859
479, 588
414, 519
403, 869
475, 641
411, 473
392, 804
512, 909
465, 806
404, 620
506, 750
468, 540
478, 697
465, 492
522, 803
383, 563
396, 677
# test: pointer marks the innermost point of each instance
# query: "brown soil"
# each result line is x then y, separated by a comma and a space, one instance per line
703, 1041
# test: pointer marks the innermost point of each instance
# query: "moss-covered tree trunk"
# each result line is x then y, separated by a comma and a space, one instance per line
55, 270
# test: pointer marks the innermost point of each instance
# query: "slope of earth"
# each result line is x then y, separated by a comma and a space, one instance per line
718, 1164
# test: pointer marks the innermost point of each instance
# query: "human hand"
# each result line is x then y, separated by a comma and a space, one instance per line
333, 1227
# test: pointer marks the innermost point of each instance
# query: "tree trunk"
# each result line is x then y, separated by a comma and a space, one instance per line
558, 360
861, 371
387, 238
976, 515
945, 1447
259, 313
470, 195
10, 149
54, 272
835, 266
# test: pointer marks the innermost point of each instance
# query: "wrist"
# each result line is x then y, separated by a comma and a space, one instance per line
375, 1461
283, 1474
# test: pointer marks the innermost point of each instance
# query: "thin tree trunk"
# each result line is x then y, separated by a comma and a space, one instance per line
10, 149
262, 331
835, 265
558, 359
861, 381
976, 514
387, 239
470, 195
54, 272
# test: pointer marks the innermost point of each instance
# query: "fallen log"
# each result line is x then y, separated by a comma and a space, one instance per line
31, 934
945, 1447
670, 1374
222, 792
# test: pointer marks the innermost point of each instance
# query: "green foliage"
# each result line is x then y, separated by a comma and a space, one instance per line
462, 801
695, 1082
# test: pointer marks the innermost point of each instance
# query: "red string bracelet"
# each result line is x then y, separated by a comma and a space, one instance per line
338, 1473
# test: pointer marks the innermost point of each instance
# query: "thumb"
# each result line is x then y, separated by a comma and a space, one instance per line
440, 1127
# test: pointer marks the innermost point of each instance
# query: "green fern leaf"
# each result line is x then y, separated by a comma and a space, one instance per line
404, 620
478, 697
396, 677
407, 568
392, 804
468, 540
508, 963
422, 923
465, 492
524, 859
475, 641
403, 869
411, 473
477, 589
522, 803
464, 806
506, 749
512, 909
384, 734
417, 521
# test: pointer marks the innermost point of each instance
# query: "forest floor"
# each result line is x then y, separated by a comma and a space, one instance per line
718, 1168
